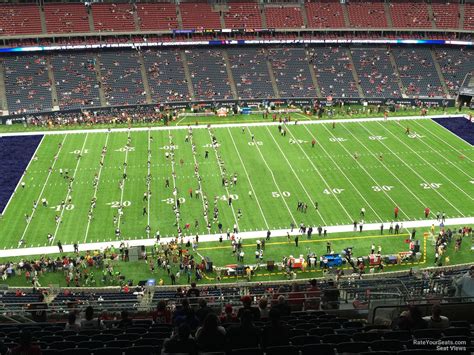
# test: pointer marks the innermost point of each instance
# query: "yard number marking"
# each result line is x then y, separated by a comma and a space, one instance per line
124, 149
170, 200
283, 193
68, 207
257, 143
377, 138
335, 191
430, 185
337, 139
78, 151
382, 188
116, 204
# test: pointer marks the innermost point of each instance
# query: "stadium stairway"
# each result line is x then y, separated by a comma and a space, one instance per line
187, 74
179, 18
354, 73
90, 18
272, 76
144, 78
43, 20
461, 16
388, 15
264, 17
3, 95
440, 74
228, 69
345, 12
304, 15
313, 76
103, 101
431, 15
54, 92
397, 74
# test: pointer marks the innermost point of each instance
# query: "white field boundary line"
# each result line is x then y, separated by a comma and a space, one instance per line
102, 159
121, 207
454, 134
466, 221
22, 177
423, 204
69, 190
248, 178
214, 148
426, 161
442, 141
148, 181
173, 174
414, 171
275, 182
343, 173
198, 177
55, 159
311, 199
229, 125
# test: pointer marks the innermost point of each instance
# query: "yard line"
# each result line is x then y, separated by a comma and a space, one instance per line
69, 189
248, 178
343, 173
311, 199
148, 181
427, 162
96, 187
454, 134
22, 176
274, 181
414, 171
56, 157
120, 207
173, 174
222, 174
445, 142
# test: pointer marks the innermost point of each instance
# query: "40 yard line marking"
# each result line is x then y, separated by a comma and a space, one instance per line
248, 178
427, 162
69, 189
96, 188
41, 192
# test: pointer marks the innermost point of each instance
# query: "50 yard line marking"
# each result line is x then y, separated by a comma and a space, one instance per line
42, 190
96, 188
248, 178
148, 196
173, 174
69, 189
123, 184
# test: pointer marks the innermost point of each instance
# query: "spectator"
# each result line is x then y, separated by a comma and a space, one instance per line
185, 314
276, 333
71, 322
228, 316
125, 322
263, 308
465, 285
282, 306
38, 309
162, 315
211, 336
436, 320
182, 342
245, 335
193, 293
25, 346
330, 296
90, 322
203, 310
247, 306
296, 298
313, 296
411, 320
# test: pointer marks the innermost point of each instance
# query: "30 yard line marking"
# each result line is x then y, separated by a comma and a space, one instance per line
274, 181
343, 173
58, 224
22, 176
443, 141
311, 199
248, 178
96, 188
414, 171
56, 157
427, 162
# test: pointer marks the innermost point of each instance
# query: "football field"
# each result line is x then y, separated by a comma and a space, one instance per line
353, 165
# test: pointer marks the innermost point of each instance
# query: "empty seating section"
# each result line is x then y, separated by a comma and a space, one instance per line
161, 16
121, 77
19, 19
411, 15
455, 64
208, 74
417, 72
325, 15
76, 80
66, 18
113, 17
469, 16
166, 77
199, 16
367, 14
243, 15
376, 75
333, 71
249, 68
27, 83
291, 71
446, 15
284, 17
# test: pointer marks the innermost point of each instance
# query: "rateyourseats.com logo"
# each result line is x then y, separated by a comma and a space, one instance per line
442, 345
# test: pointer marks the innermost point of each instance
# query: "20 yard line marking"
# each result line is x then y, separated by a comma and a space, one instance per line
96, 189
42, 190
311, 199
58, 224
248, 178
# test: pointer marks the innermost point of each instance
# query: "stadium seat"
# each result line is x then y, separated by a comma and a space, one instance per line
107, 351
388, 345
454, 331
52, 339
312, 349
77, 338
247, 351
104, 337
321, 331
282, 350
427, 333
366, 336
76, 351
61, 345
335, 338
142, 350
50, 352
349, 347
118, 344
305, 339
91, 345
399, 334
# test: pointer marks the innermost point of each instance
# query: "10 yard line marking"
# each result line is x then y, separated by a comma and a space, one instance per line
413, 170
96, 189
69, 189
274, 180
431, 165
42, 190
311, 200
248, 178
22, 177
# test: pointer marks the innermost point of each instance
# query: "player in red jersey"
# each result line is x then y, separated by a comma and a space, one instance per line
427, 212
395, 211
